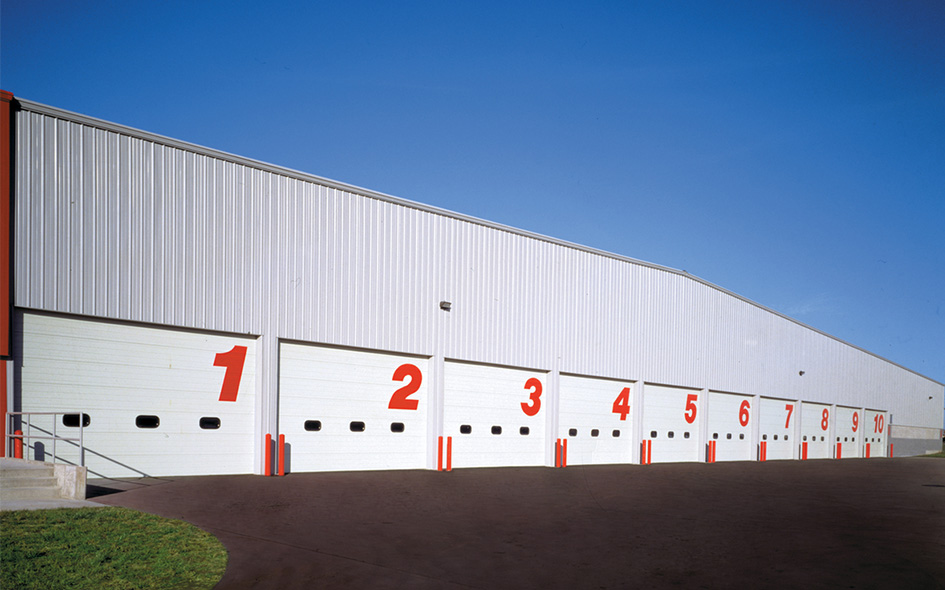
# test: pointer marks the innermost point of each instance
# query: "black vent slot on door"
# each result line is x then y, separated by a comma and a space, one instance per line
210, 423
146, 421
72, 420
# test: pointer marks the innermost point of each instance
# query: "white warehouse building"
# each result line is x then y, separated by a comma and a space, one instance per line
175, 306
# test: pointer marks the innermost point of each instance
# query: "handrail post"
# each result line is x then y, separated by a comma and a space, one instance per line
82, 440
53, 440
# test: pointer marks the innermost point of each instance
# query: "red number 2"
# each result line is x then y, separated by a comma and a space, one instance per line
622, 403
690, 414
400, 401
233, 361
532, 408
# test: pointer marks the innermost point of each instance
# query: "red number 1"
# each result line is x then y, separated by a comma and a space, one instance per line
233, 361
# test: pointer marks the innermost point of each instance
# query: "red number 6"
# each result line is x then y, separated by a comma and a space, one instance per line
743, 415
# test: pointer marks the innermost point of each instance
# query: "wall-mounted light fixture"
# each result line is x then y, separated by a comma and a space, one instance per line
801, 373
445, 305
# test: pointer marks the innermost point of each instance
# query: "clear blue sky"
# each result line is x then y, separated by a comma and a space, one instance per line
791, 152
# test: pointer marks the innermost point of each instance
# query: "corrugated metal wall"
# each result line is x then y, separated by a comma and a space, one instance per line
121, 224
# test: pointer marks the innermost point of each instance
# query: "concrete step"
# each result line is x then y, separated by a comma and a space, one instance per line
10, 469
22, 480
26, 481
29, 493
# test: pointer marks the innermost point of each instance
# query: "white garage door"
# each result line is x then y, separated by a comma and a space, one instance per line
157, 401
671, 423
730, 419
343, 410
777, 428
815, 428
874, 433
495, 415
848, 432
594, 416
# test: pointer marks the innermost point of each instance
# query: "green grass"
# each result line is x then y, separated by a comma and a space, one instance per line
105, 548
940, 454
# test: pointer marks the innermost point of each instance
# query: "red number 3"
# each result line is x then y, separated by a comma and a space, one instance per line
532, 408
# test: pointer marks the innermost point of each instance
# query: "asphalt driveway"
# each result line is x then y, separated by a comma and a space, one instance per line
858, 523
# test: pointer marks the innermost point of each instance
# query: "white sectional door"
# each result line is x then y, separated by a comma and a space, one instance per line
875, 428
158, 401
671, 422
777, 428
815, 430
345, 410
594, 416
848, 432
495, 415
730, 419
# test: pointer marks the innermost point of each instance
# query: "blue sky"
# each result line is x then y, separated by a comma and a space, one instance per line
791, 152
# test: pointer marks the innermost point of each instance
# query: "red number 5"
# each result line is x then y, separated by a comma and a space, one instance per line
691, 407
532, 408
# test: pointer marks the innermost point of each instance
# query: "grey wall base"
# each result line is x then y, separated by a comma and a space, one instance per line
908, 447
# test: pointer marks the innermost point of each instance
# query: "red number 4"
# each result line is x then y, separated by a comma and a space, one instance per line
622, 403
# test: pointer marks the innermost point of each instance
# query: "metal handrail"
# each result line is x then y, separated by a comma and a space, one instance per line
54, 437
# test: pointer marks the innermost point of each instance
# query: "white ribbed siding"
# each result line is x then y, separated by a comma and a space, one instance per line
119, 227
116, 223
